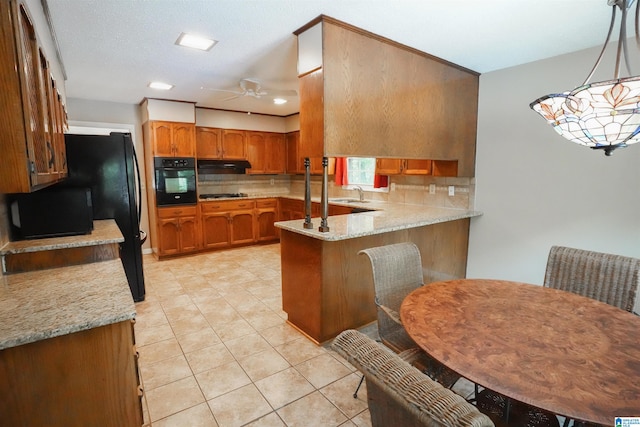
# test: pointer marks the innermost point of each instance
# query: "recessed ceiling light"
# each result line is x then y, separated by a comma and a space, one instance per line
196, 42
160, 86
279, 101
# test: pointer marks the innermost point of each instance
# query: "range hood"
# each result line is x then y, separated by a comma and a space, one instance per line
223, 166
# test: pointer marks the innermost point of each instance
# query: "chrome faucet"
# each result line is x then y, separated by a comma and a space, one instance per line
360, 192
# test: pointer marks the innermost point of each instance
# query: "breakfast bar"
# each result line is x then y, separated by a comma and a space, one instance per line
327, 287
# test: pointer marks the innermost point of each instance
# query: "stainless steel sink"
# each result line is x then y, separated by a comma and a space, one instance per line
348, 201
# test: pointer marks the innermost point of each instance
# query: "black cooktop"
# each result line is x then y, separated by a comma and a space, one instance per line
222, 195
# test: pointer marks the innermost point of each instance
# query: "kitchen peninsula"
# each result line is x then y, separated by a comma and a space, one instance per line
327, 287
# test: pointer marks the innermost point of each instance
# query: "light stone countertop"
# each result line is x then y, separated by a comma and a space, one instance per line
49, 303
384, 217
104, 231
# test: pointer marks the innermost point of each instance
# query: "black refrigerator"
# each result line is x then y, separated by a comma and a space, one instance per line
107, 164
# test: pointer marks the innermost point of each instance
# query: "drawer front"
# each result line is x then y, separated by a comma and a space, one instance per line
266, 203
227, 205
177, 211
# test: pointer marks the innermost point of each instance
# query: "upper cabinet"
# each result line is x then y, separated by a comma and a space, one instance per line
214, 143
173, 139
266, 152
375, 97
33, 115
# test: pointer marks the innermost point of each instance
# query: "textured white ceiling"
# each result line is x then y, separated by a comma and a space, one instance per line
111, 49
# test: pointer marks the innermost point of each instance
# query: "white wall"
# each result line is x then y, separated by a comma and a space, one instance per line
234, 120
537, 189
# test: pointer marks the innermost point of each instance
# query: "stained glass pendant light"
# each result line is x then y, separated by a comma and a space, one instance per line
603, 115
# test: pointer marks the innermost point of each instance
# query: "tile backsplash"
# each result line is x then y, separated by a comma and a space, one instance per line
402, 189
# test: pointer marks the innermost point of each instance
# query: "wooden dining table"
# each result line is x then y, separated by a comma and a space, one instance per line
555, 350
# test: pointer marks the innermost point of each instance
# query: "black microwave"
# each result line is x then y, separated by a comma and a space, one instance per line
50, 213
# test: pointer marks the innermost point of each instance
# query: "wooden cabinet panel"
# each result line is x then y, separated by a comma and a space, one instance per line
177, 211
255, 152
295, 163
169, 232
417, 167
173, 139
445, 168
189, 234
388, 166
274, 153
178, 230
162, 142
208, 143
312, 115
266, 216
214, 143
216, 230
184, 139
31, 157
242, 227
234, 144
291, 209
403, 166
85, 378
227, 222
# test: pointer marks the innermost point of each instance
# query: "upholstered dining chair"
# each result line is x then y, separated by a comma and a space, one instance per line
609, 278
397, 271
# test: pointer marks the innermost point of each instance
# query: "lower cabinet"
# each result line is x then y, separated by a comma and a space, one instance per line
226, 223
266, 216
178, 230
86, 378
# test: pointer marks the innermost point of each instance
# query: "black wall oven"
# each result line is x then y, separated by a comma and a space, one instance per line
175, 181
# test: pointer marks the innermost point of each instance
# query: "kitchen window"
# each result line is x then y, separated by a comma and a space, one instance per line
361, 171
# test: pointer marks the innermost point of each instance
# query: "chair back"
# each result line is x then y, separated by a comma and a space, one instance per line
609, 278
398, 394
397, 271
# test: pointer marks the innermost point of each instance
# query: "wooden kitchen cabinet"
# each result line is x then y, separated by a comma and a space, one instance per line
294, 209
365, 89
291, 209
403, 166
266, 152
32, 154
266, 216
178, 230
274, 153
214, 143
227, 223
255, 152
311, 115
294, 163
173, 139
86, 378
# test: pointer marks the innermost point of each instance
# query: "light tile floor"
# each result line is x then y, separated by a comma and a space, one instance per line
215, 349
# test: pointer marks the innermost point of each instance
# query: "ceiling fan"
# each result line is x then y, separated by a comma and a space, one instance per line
252, 87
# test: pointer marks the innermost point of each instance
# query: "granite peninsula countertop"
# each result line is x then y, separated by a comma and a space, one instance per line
48, 303
383, 217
